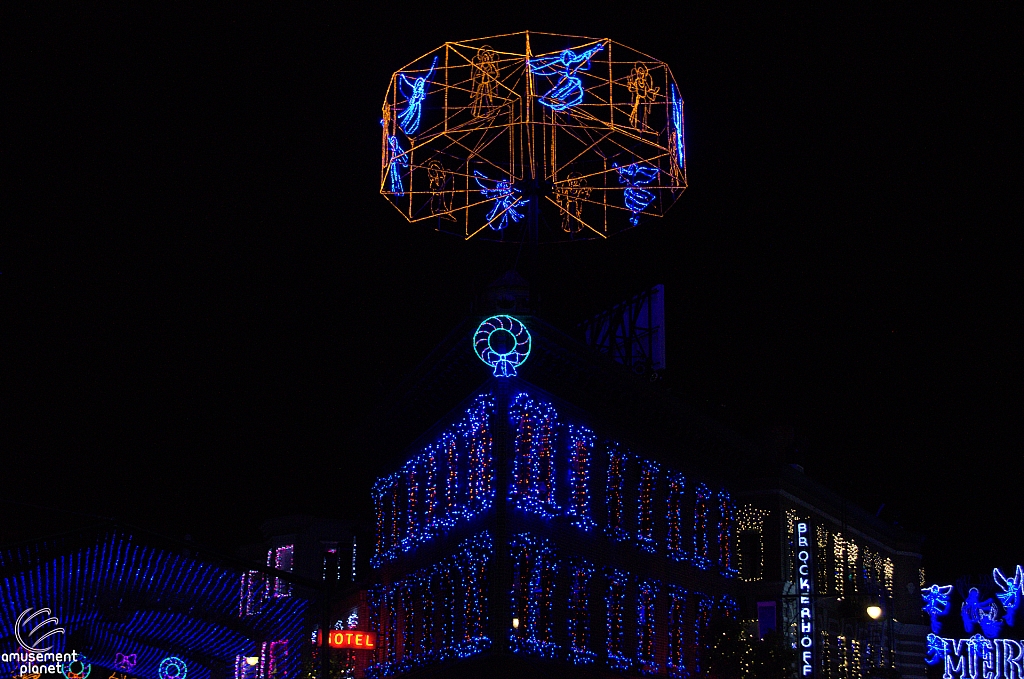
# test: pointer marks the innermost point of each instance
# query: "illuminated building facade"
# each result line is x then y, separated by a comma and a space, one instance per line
572, 518
813, 564
330, 554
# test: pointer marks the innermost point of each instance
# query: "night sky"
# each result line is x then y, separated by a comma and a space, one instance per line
206, 296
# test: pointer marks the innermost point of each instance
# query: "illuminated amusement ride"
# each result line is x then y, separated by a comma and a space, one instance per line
533, 136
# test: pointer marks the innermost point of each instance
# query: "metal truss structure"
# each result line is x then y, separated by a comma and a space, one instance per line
537, 135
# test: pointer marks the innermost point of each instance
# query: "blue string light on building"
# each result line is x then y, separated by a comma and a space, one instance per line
434, 611
523, 530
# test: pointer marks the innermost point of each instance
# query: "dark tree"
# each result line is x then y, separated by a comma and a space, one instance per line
735, 653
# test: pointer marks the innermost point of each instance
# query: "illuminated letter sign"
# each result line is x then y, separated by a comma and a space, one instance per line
977, 656
805, 598
351, 638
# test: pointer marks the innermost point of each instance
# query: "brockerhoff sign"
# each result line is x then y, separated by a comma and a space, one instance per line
805, 592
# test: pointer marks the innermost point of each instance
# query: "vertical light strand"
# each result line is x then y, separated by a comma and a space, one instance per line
475, 431
674, 517
533, 485
581, 454
676, 660
614, 491
430, 489
701, 625
649, 471
533, 594
852, 552
839, 563
701, 519
646, 624
615, 607
581, 575
821, 537
412, 508
726, 533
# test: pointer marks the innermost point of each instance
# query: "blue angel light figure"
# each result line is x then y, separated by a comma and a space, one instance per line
936, 603
636, 175
936, 649
676, 134
569, 90
415, 91
398, 160
505, 197
983, 613
1010, 596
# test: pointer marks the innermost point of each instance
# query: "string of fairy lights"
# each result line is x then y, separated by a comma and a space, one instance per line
440, 612
674, 517
581, 584
533, 486
424, 498
701, 544
750, 520
434, 614
649, 471
675, 662
581, 454
726, 522
646, 630
615, 495
452, 481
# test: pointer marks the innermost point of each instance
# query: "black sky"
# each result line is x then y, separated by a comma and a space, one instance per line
206, 295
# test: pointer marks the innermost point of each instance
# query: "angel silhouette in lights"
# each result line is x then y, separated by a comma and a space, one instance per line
505, 197
415, 91
485, 81
569, 90
634, 176
983, 613
936, 649
641, 84
936, 603
570, 196
398, 160
440, 191
677, 152
1011, 590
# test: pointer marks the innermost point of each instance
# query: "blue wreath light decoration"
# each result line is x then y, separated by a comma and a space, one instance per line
172, 668
487, 339
67, 668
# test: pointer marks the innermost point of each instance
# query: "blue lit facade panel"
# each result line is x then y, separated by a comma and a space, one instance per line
557, 470
593, 532
435, 614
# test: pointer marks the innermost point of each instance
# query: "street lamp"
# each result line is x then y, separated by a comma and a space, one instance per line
874, 611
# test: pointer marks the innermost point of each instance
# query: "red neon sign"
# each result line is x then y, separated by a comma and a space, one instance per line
351, 638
